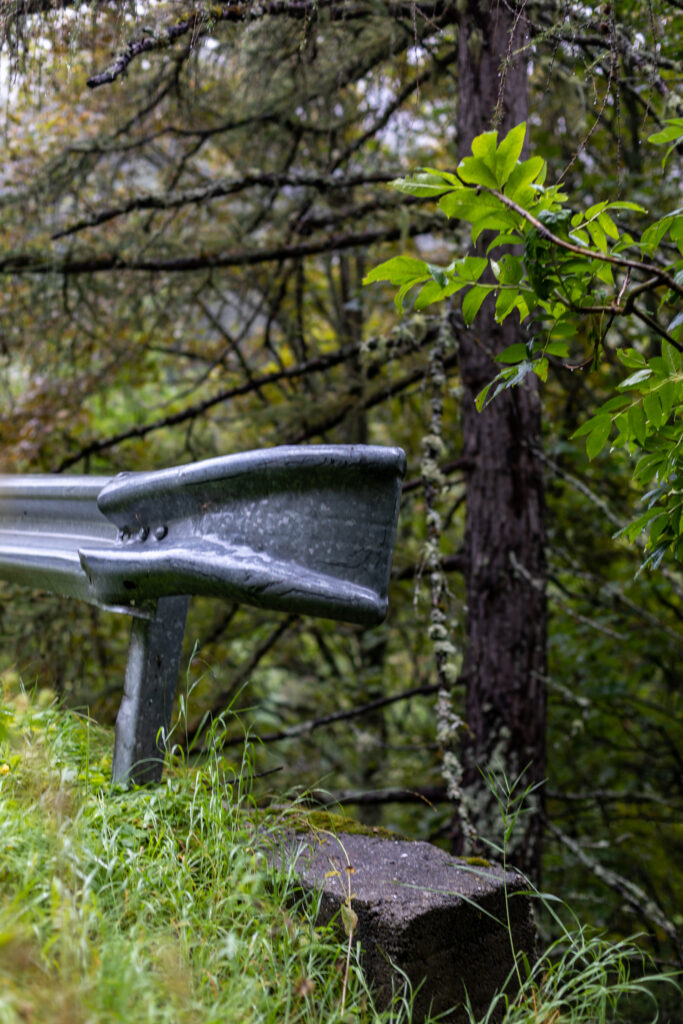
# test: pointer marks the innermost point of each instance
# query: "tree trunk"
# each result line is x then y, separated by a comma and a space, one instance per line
504, 560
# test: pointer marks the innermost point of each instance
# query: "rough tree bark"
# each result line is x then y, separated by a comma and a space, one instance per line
504, 561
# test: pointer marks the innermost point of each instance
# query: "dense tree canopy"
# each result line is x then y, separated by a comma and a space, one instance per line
191, 198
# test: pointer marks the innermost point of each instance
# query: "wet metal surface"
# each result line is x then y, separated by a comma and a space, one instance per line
307, 529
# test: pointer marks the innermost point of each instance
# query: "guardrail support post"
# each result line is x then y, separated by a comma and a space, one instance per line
144, 717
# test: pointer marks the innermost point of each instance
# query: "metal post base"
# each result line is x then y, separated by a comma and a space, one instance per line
144, 717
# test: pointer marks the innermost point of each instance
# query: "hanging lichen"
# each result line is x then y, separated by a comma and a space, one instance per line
448, 722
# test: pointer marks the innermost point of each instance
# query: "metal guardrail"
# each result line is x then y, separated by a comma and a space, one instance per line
305, 529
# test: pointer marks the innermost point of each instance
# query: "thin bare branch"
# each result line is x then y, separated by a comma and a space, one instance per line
201, 23
220, 189
309, 726
97, 263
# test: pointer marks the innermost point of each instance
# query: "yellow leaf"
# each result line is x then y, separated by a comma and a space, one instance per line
349, 918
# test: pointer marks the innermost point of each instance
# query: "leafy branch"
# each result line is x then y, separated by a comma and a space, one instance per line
533, 253
570, 260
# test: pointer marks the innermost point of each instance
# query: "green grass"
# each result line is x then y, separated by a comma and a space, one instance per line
149, 905
581, 977
160, 905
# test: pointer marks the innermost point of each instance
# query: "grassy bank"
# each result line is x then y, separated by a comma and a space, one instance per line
146, 905
159, 905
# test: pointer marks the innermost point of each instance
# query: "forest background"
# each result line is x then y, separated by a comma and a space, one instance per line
191, 197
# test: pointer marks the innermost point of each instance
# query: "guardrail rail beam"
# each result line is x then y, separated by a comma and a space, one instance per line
307, 529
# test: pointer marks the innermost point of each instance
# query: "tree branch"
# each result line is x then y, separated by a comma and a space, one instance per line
202, 22
318, 364
218, 190
632, 894
616, 261
24, 263
306, 728
225, 699
392, 795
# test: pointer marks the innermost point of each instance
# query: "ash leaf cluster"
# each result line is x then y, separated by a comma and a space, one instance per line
563, 270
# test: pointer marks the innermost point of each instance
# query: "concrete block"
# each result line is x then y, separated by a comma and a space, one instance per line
435, 917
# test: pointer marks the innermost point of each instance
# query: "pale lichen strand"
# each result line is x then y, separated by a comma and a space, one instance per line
448, 722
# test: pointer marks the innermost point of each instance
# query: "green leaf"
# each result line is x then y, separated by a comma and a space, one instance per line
425, 184
634, 528
597, 438
480, 400
585, 428
659, 367
470, 268
499, 220
433, 292
657, 527
617, 402
471, 303
636, 378
513, 353
404, 271
676, 323
624, 432
598, 235
473, 170
579, 238
438, 274
595, 209
521, 177
637, 423
510, 269
507, 378
398, 270
508, 153
672, 356
604, 273
631, 357
401, 294
653, 235
509, 239
668, 395
648, 466
465, 204
673, 130
448, 176
608, 225
653, 409
541, 369
557, 348
563, 329
625, 205
672, 133
505, 304
484, 147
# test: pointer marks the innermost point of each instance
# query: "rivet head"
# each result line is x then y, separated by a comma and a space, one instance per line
160, 532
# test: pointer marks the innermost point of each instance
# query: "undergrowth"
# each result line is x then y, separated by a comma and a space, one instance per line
581, 977
162, 904
150, 905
